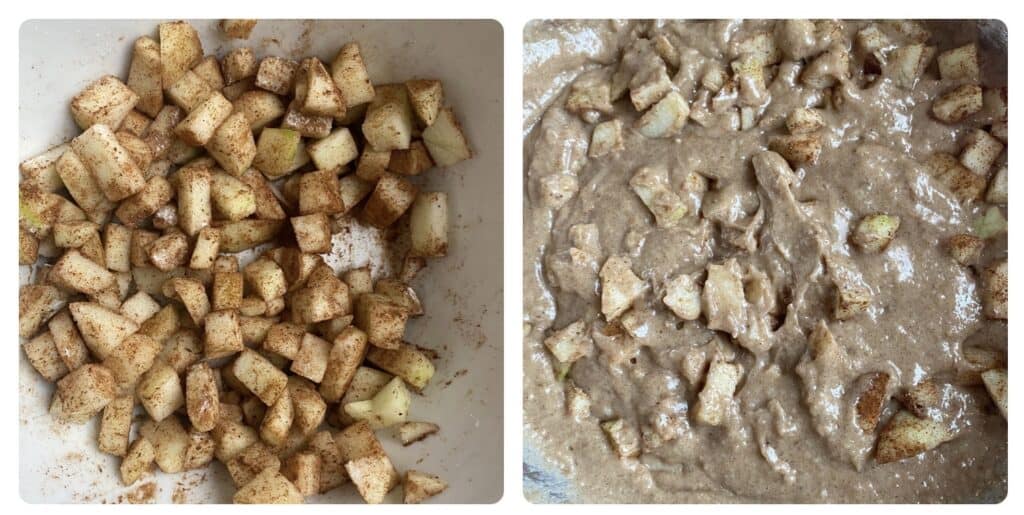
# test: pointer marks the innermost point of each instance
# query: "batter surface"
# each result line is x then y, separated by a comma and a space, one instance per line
723, 331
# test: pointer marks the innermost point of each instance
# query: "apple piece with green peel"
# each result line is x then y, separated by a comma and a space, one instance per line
388, 407
428, 224
279, 152
365, 382
248, 233
407, 362
991, 224
37, 211
874, 232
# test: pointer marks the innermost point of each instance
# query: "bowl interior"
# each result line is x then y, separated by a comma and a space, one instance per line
461, 293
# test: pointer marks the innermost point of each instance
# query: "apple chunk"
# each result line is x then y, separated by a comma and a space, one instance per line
445, 140
180, 50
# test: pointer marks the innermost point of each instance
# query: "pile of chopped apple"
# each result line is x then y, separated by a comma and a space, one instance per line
268, 362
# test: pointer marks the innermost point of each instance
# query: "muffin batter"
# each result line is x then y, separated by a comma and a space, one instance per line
727, 331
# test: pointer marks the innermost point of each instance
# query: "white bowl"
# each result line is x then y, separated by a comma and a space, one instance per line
462, 293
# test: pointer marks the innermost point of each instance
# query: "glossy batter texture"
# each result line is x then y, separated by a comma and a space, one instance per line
766, 242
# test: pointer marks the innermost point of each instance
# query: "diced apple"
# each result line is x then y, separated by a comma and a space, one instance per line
239, 64
716, 398
665, 119
318, 95
874, 232
373, 475
106, 101
798, 149
199, 126
194, 207
248, 233
308, 125
180, 50
445, 140
683, 297
260, 376
279, 152
607, 138
268, 487
111, 165
209, 70
190, 91
570, 343
426, 97
232, 144
907, 435
958, 104
960, 63
980, 152
619, 287
407, 362
390, 199
349, 74
145, 76
651, 185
